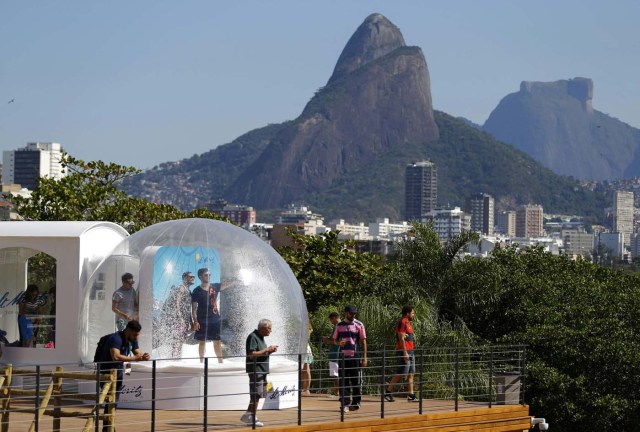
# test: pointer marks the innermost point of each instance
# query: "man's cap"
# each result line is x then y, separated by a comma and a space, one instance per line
351, 309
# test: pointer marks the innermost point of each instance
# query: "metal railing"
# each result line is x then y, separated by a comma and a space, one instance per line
446, 378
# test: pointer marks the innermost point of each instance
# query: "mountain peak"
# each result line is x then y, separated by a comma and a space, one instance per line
556, 124
579, 88
376, 37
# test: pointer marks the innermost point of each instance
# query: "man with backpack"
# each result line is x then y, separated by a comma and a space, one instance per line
114, 350
404, 355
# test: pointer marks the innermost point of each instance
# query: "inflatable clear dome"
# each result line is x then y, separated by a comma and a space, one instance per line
153, 274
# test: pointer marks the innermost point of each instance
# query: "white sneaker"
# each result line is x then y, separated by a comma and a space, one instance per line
247, 419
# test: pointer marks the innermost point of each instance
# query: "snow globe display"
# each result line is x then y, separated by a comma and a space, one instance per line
230, 277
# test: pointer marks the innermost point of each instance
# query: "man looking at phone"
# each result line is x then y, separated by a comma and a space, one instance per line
257, 367
350, 334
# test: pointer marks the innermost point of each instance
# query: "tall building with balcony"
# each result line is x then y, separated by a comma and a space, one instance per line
623, 215
421, 189
25, 165
481, 208
529, 219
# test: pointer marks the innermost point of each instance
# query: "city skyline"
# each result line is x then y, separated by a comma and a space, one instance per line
151, 82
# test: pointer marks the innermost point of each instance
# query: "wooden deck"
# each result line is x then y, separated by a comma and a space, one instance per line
319, 413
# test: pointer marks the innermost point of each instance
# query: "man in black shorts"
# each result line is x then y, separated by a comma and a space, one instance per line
257, 367
205, 313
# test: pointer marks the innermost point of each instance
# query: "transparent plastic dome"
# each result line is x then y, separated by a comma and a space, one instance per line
256, 283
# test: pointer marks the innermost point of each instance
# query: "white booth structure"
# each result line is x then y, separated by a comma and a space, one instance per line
57, 257
88, 260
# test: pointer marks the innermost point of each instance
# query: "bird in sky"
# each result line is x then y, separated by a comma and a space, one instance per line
11, 101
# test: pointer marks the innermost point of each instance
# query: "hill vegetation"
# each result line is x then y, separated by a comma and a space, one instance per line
468, 161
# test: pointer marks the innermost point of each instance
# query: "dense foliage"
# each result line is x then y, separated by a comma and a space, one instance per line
329, 270
579, 320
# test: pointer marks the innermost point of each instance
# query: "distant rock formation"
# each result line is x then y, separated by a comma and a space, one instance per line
556, 124
377, 99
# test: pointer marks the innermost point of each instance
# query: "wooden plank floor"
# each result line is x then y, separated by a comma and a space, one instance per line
319, 413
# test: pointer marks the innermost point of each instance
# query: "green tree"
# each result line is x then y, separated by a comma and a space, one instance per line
90, 193
580, 323
328, 269
421, 269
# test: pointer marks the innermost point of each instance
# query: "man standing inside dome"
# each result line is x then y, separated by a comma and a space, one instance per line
175, 316
205, 313
124, 302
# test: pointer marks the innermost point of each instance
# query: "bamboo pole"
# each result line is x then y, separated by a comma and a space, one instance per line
43, 406
6, 398
112, 405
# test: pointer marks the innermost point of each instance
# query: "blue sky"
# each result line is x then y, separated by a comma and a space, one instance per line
144, 82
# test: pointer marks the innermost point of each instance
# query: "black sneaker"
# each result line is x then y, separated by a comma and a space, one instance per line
354, 407
389, 397
412, 398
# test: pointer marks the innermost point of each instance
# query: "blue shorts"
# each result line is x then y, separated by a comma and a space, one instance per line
209, 331
404, 367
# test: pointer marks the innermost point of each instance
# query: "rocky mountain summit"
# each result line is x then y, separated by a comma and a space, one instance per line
556, 124
378, 99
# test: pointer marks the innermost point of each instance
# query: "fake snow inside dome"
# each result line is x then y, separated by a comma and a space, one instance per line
252, 280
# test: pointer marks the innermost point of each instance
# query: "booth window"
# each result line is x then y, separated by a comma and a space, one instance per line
27, 298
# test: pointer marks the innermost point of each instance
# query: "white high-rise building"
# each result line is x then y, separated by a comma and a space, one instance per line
448, 223
24, 166
623, 215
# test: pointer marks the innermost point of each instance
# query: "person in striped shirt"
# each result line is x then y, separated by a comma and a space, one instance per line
351, 336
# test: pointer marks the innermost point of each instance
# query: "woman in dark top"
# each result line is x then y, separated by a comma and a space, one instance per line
29, 311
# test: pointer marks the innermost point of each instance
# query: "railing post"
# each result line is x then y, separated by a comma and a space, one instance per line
205, 414
153, 396
254, 413
383, 388
523, 372
37, 411
300, 388
420, 380
97, 414
490, 375
321, 353
457, 377
341, 390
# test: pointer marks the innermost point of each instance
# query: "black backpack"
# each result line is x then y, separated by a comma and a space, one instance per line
98, 355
